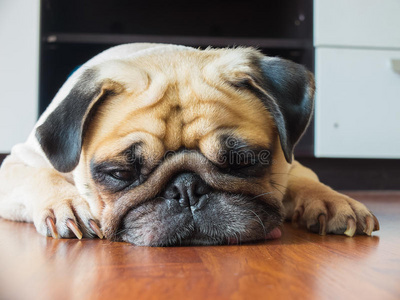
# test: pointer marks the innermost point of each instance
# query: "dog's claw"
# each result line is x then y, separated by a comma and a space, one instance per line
52, 227
370, 225
95, 228
295, 218
322, 224
351, 227
74, 228
376, 222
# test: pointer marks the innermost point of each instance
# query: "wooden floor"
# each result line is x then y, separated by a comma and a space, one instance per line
300, 265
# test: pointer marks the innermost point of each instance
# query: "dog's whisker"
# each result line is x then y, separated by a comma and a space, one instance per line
260, 195
275, 184
238, 238
259, 221
277, 189
278, 184
288, 174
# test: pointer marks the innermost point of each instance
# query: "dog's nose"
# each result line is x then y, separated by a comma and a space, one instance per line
187, 188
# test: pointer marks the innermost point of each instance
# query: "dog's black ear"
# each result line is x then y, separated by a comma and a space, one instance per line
292, 89
61, 134
287, 90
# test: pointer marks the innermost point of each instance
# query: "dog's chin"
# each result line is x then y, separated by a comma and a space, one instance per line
218, 218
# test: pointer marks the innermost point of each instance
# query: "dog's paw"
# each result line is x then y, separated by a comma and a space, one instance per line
66, 218
331, 212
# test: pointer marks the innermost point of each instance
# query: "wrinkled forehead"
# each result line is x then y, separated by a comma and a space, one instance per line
179, 100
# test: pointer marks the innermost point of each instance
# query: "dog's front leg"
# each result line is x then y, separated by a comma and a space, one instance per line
323, 210
46, 198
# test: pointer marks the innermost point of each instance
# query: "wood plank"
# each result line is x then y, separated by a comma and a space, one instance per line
300, 265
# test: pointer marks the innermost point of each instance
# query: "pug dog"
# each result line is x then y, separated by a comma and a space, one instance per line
162, 145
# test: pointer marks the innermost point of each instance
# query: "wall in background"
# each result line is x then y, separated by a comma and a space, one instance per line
19, 63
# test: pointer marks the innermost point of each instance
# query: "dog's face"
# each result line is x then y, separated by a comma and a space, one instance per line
183, 147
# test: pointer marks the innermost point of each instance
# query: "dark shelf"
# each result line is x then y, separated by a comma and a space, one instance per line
89, 38
74, 31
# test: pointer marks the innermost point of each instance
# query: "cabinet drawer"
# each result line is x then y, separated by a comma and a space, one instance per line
357, 103
358, 23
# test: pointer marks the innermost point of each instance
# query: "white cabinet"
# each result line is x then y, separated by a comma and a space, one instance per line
358, 103
19, 64
357, 23
357, 113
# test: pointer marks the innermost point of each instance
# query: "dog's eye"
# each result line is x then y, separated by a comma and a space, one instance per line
242, 159
247, 162
123, 175
116, 176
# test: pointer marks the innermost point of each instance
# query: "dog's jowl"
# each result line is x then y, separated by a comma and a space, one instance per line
161, 145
